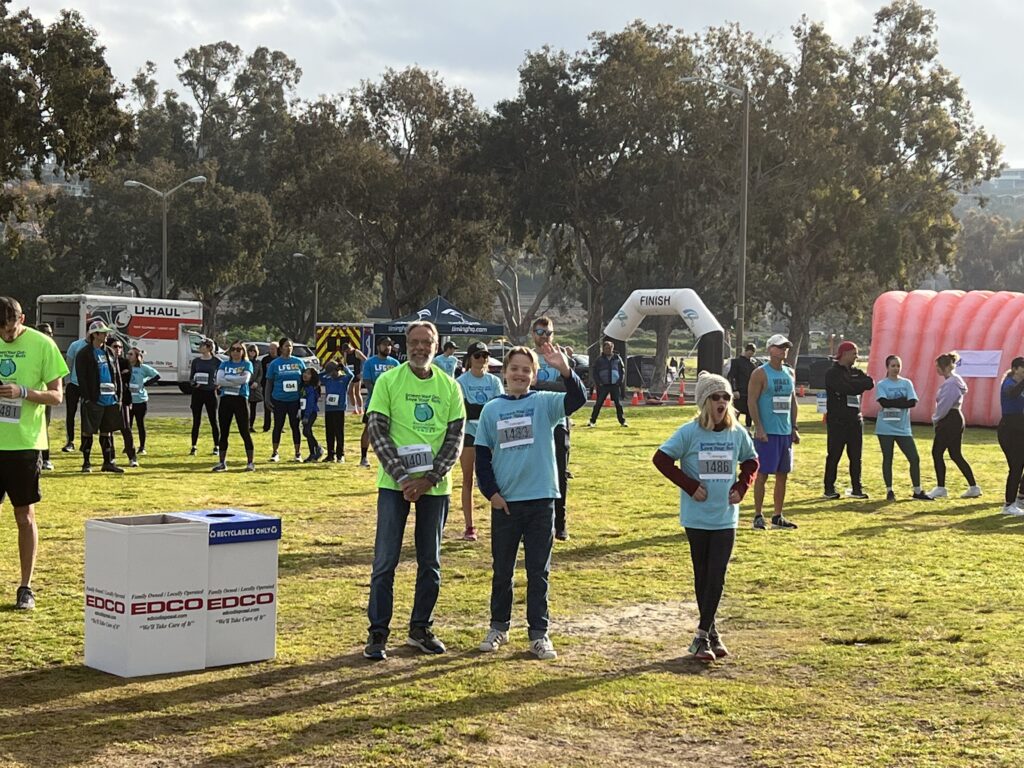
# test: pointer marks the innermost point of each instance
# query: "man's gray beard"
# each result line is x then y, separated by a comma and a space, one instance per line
425, 367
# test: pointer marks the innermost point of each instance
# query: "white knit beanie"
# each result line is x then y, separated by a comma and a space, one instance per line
707, 383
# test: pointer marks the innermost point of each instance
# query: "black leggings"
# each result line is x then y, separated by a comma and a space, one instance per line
252, 414
849, 436
1011, 440
72, 396
307, 431
204, 398
334, 421
292, 409
710, 552
909, 448
949, 436
138, 415
562, 464
234, 407
126, 431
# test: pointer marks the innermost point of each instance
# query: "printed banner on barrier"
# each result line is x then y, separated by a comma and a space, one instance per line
979, 363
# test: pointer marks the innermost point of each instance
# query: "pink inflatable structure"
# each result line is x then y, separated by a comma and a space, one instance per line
921, 325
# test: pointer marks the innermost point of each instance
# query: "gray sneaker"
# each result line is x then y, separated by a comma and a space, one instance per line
26, 599
759, 523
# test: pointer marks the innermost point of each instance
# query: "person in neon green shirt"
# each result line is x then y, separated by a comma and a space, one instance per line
31, 377
416, 420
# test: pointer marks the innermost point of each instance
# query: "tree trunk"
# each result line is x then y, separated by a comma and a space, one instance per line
211, 304
663, 330
595, 317
799, 331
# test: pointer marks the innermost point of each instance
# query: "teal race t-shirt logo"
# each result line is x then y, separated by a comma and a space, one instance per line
7, 367
423, 412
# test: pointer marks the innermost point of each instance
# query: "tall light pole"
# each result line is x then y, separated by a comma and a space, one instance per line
741, 271
316, 291
163, 205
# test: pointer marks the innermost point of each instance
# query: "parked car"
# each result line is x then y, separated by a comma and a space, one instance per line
811, 370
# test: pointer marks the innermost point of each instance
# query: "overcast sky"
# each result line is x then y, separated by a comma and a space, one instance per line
480, 45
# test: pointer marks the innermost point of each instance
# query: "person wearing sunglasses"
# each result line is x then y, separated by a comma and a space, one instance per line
116, 347
203, 377
717, 463
478, 388
233, 378
771, 402
255, 384
549, 379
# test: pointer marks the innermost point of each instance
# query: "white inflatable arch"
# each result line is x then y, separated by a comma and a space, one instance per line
671, 301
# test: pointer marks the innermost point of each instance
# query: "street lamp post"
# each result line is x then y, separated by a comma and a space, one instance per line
316, 290
163, 206
741, 271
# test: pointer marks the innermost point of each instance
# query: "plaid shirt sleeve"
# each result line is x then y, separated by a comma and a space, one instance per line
378, 427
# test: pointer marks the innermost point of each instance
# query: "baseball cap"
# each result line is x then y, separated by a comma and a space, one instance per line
98, 326
450, 345
778, 340
384, 340
476, 347
845, 347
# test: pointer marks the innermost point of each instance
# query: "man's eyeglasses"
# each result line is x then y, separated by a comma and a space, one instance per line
481, 355
543, 332
721, 396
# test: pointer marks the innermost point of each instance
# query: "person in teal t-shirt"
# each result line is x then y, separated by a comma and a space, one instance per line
373, 368
234, 377
142, 376
448, 362
284, 377
711, 450
518, 473
478, 388
896, 396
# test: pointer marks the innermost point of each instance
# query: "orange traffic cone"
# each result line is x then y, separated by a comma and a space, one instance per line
607, 401
682, 400
802, 390
593, 396
636, 398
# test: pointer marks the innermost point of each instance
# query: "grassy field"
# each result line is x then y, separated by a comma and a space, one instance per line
876, 635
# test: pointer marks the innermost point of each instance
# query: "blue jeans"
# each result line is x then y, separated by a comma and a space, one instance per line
392, 512
532, 523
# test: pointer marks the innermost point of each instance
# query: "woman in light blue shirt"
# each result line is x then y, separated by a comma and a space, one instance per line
478, 388
142, 376
896, 396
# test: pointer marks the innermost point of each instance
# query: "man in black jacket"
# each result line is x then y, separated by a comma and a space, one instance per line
844, 385
101, 388
739, 377
116, 347
607, 375
268, 401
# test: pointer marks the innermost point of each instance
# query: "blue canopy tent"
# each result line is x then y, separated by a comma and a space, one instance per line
450, 321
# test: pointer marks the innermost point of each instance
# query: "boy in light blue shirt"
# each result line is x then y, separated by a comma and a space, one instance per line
518, 474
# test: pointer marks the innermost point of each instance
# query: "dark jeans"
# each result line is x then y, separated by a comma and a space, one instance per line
307, 432
234, 407
949, 436
710, 552
292, 411
268, 408
138, 415
334, 421
608, 390
532, 523
72, 396
204, 398
252, 414
392, 513
848, 436
909, 449
562, 462
1011, 440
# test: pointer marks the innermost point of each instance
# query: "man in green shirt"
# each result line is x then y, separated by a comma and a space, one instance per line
31, 377
416, 420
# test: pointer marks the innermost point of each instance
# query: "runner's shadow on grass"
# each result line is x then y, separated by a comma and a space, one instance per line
978, 525
247, 698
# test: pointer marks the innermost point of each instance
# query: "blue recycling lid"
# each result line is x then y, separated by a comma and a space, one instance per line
235, 526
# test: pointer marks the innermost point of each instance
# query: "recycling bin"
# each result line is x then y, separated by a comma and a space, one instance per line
145, 594
241, 580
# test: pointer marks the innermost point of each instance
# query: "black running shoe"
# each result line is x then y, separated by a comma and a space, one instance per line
25, 599
890, 496
112, 468
759, 524
376, 647
701, 650
857, 495
922, 496
423, 638
830, 495
717, 646
778, 521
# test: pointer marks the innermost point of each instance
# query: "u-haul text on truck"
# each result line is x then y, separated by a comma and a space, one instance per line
169, 332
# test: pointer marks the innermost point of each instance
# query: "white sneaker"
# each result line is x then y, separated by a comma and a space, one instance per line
298, 457
215, 451
142, 451
543, 649
275, 458
971, 493
938, 492
1013, 510
250, 467
494, 640
133, 463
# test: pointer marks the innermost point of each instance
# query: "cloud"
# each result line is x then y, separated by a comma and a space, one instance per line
481, 45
